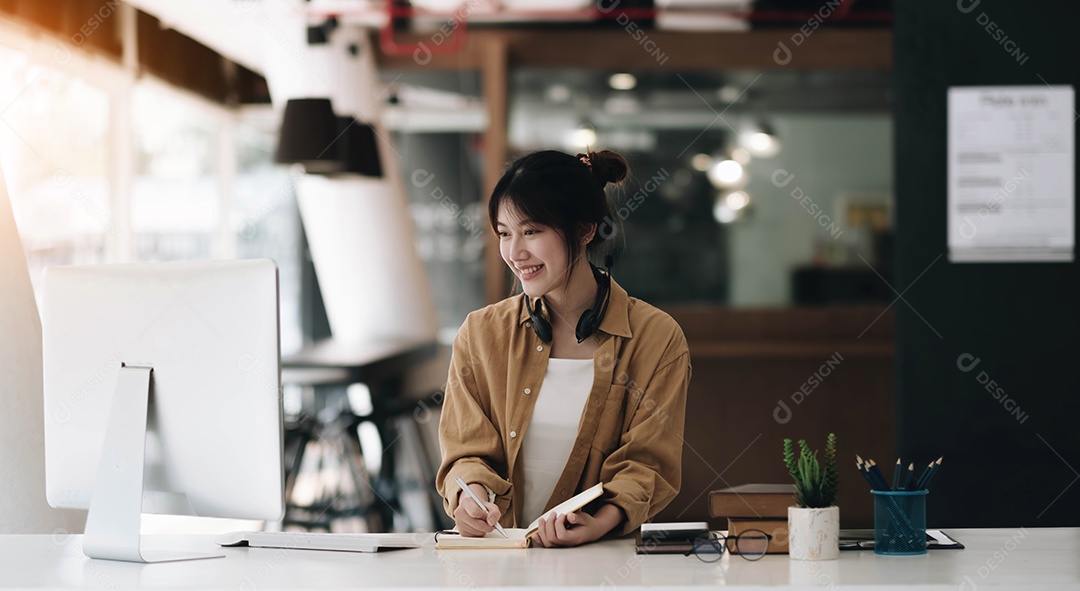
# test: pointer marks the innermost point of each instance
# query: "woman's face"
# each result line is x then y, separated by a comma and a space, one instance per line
536, 254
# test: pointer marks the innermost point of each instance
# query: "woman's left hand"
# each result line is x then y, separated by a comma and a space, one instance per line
577, 528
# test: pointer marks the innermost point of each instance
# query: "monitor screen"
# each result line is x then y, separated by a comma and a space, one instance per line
209, 333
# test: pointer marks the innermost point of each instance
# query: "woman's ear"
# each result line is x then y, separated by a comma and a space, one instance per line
588, 232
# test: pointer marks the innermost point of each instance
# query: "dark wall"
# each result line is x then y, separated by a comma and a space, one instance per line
1011, 455
763, 375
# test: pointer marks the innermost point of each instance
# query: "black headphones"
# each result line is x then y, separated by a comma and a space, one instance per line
590, 319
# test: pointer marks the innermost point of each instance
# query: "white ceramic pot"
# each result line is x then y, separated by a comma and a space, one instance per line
814, 534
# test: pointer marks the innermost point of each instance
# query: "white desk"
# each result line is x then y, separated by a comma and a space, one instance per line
994, 559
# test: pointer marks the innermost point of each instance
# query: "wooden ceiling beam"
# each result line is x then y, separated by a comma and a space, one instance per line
639, 49
94, 26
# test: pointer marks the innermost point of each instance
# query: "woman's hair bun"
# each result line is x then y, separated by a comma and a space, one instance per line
608, 166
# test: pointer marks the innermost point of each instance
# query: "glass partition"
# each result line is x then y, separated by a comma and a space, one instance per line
750, 189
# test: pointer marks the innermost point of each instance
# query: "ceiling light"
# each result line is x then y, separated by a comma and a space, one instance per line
726, 174
731, 206
737, 200
582, 137
724, 214
741, 155
558, 93
622, 81
760, 144
701, 162
358, 147
728, 94
308, 133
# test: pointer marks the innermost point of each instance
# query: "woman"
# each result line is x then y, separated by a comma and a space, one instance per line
570, 383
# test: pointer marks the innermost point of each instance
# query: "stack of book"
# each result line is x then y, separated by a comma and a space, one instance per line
755, 506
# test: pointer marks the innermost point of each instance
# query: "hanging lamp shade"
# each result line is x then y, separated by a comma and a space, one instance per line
358, 148
308, 133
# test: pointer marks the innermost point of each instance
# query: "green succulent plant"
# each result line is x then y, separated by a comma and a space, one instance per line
815, 486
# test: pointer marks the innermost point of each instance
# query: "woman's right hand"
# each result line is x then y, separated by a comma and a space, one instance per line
471, 520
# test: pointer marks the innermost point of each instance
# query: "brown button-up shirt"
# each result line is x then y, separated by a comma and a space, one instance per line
630, 435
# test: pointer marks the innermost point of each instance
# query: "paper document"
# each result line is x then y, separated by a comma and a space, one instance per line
1011, 191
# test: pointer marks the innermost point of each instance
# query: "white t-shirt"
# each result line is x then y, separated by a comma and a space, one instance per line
553, 429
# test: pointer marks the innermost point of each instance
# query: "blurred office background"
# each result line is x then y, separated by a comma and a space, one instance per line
762, 214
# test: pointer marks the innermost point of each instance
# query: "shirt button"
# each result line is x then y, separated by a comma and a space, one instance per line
539, 348
513, 434
528, 391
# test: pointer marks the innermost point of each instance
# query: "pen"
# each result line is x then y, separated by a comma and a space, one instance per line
479, 503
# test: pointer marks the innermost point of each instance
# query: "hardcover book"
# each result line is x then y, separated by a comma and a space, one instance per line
752, 501
775, 527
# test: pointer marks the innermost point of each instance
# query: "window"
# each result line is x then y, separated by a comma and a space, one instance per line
264, 219
54, 151
203, 183
176, 193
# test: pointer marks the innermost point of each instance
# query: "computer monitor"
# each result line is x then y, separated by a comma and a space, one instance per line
162, 395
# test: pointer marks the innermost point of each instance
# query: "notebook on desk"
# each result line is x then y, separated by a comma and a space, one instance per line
324, 541
517, 537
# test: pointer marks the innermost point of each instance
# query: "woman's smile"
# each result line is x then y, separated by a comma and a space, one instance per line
528, 273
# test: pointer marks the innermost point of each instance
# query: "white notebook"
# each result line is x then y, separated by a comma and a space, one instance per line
517, 537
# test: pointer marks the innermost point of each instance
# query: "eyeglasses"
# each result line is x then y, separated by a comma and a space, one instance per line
751, 544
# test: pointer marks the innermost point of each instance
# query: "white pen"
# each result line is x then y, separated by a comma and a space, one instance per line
479, 503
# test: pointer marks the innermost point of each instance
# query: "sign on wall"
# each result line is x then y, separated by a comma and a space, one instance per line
1011, 191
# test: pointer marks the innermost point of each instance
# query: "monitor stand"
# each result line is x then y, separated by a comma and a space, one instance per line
112, 526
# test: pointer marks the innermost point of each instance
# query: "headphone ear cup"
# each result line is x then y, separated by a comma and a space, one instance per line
542, 328
585, 325
540, 325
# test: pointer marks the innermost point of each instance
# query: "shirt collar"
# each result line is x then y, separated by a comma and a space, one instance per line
616, 321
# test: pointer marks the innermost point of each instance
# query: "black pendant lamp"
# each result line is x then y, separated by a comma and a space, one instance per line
309, 136
358, 148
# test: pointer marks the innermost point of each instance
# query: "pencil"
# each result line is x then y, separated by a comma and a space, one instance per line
896, 475
921, 482
864, 473
907, 476
878, 477
935, 466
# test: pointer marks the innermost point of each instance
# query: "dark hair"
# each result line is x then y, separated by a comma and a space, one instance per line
562, 192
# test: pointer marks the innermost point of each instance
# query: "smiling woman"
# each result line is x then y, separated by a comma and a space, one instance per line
570, 384
545, 213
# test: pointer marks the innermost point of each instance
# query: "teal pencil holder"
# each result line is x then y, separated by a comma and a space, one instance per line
899, 521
